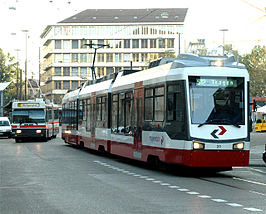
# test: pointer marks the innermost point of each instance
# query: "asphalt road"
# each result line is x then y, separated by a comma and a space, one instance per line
52, 177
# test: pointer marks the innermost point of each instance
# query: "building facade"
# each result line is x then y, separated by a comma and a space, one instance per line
134, 37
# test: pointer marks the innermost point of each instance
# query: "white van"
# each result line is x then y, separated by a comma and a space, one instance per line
5, 127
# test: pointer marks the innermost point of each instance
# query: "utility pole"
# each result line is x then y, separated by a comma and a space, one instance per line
17, 85
26, 61
223, 30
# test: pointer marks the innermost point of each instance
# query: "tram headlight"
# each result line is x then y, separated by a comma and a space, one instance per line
18, 131
198, 145
238, 146
38, 131
67, 132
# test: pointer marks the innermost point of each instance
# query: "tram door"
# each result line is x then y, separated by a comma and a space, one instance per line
137, 121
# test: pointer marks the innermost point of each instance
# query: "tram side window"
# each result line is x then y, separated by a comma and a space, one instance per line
122, 113
88, 118
154, 104
176, 110
100, 111
114, 113
128, 113
81, 107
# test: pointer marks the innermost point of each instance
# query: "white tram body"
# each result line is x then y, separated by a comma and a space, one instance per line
193, 111
34, 119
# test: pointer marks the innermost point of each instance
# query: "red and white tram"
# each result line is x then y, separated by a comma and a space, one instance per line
34, 119
192, 111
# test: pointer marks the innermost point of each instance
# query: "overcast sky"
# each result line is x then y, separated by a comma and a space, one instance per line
203, 21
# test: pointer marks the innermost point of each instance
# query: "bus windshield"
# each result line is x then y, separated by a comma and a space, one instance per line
29, 116
217, 100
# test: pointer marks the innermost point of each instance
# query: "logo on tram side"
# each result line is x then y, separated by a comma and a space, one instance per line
223, 130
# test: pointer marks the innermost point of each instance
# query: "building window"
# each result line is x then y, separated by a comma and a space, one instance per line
57, 71
66, 85
57, 31
135, 57
127, 58
145, 30
118, 43
127, 43
66, 30
170, 43
83, 58
118, 57
161, 43
100, 57
83, 72
144, 57
74, 85
57, 58
58, 44
109, 70
66, 44
75, 71
144, 43
58, 85
75, 44
83, 30
135, 43
100, 71
66, 57
82, 44
75, 58
109, 57
152, 43
75, 30
66, 71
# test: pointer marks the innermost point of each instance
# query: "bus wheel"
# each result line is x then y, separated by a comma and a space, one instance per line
17, 140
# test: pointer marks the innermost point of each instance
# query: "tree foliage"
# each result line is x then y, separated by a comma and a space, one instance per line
7, 74
256, 66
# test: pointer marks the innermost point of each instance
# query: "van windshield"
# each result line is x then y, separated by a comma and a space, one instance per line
4, 123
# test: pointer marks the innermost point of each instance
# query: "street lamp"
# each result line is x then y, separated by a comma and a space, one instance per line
223, 30
26, 33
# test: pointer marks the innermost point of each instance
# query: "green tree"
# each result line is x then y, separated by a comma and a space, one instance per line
256, 66
7, 73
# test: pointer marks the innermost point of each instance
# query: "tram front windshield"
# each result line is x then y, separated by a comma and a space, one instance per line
217, 100
28, 116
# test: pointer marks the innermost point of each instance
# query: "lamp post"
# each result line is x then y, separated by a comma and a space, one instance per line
18, 96
26, 56
223, 30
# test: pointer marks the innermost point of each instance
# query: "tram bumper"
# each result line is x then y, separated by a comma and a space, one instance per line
210, 158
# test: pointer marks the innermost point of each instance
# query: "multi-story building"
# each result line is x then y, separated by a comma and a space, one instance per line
134, 36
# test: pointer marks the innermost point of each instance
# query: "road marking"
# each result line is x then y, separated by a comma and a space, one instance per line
219, 200
193, 193
257, 170
174, 187
187, 190
164, 184
234, 205
183, 190
253, 182
204, 196
253, 209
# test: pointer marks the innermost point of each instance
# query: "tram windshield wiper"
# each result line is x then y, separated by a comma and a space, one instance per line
219, 121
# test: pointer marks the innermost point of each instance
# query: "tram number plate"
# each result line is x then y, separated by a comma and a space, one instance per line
218, 146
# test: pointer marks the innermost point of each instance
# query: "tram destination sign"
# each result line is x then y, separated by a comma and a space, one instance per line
210, 82
28, 105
